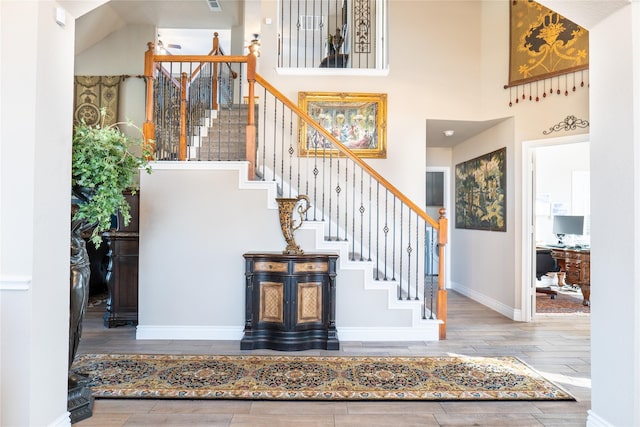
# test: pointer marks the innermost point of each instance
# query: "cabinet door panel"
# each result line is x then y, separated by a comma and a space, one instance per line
126, 274
309, 303
271, 302
122, 279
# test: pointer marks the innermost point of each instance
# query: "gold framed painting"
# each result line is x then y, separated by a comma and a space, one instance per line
357, 120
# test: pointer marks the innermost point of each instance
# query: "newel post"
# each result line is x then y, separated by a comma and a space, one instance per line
148, 127
214, 77
251, 120
216, 44
443, 239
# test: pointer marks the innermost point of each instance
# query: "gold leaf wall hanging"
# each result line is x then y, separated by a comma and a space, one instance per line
548, 54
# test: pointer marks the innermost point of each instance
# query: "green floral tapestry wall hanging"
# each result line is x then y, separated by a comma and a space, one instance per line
481, 193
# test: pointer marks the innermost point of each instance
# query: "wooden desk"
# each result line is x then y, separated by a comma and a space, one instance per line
574, 269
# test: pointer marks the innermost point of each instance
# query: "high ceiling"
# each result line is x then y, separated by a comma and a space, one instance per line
179, 13
112, 15
462, 130
187, 14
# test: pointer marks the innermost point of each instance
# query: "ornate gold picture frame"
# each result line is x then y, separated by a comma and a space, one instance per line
358, 120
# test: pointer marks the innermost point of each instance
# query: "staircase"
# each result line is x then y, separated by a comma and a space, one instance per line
222, 138
221, 135
388, 245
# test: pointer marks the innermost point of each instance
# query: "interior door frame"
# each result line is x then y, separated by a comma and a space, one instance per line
528, 218
446, 199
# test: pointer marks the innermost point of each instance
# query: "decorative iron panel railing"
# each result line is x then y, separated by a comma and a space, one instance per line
208, 96
332, 34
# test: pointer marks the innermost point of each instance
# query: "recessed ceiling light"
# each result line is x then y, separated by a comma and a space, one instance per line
448, 132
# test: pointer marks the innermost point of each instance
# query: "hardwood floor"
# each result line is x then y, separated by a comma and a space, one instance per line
558, 346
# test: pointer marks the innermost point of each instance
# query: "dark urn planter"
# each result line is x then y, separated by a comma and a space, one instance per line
79, 398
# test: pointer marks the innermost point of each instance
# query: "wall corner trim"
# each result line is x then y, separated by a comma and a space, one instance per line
15, 283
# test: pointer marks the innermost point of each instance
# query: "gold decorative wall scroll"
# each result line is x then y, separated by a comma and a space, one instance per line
568, 124
548, 54
358, 120
92, 93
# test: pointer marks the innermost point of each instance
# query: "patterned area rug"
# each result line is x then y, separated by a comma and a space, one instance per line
314, 377
563, 303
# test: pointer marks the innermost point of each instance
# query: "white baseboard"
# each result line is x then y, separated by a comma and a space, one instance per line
15, 283
170, 332
505, 310
430, 332
63, 420
427, 332
593, 420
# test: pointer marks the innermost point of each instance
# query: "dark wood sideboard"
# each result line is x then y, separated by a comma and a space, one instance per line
122, 269
290, 302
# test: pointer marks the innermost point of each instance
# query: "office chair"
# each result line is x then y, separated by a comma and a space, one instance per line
546, 264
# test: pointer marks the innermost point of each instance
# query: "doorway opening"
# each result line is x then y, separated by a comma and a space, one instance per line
437, 195
556, 182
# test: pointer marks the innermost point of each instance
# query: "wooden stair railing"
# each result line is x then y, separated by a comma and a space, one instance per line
153, 62
440, 226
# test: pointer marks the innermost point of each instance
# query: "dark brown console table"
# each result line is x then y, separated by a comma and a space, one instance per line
290, 302
122, 269
575, 269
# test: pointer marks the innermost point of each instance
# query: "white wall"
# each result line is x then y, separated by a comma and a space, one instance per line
424, 81
439, 156
191, 265
615, 205
121, 53
497, 283
531, 118
191, 270
555, 168
483, 262
36, 98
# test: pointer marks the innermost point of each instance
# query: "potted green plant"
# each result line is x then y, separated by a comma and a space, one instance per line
105, 164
